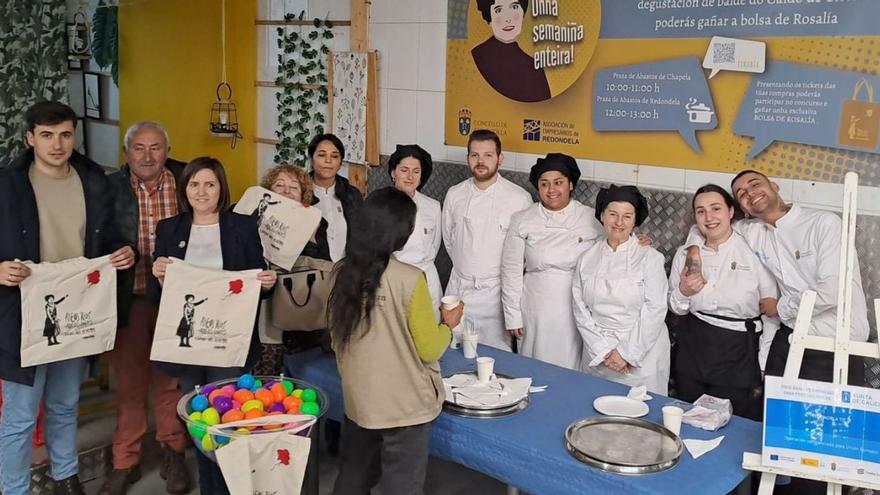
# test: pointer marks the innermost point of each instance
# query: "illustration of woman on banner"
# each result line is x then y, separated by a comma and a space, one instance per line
503, 64
51, 328
185, 328
264, 205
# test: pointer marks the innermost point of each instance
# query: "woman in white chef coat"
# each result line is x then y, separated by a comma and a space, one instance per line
542, 247
619, 297
410, 167
718, 344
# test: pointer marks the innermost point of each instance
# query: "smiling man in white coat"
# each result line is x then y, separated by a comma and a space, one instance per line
476, 216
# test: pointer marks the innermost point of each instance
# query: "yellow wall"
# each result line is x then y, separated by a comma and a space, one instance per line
169, 67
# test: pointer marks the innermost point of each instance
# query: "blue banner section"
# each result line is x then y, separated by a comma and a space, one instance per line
811, 105
738, 18
672, 95
821, 429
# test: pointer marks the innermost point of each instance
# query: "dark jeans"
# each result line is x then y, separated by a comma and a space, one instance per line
211, 480
746, 402
395, 460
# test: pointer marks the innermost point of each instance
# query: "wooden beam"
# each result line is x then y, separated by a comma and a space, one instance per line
360, 42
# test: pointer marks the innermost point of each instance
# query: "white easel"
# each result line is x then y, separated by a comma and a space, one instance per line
840, 345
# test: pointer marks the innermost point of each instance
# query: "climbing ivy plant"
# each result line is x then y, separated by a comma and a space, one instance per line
302, 76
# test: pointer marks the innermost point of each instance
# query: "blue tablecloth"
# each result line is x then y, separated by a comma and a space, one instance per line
527, 450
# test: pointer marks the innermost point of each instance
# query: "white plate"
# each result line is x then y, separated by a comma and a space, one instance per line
618, 405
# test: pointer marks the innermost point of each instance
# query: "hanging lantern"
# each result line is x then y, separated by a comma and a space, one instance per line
79, 35
224, 116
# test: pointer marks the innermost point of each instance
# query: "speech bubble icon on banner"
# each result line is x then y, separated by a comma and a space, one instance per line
810, 105
672, 95
735, 55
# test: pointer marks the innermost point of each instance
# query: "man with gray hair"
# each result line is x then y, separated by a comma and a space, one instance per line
145, 190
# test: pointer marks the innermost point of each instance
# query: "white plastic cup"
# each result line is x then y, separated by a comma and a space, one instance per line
455, 343
450, 302
485, 365
672, 418
469, 345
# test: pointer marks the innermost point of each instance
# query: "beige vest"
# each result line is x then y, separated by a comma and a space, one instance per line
384, 383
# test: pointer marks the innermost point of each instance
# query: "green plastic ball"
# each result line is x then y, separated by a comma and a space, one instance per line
309, 395
197, 429
288, 386
310, 408
297, 393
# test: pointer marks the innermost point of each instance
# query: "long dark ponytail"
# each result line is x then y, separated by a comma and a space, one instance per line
376, 230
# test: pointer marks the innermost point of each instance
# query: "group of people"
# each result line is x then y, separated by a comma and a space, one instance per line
555, 279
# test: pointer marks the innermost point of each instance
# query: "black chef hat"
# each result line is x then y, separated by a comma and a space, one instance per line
559, 162
629, 194
412, 151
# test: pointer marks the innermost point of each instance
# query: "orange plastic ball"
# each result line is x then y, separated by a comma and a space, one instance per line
273, 427
214, 394
265, 397
291, 404
278, 392
242, 395
253, 414
232, 415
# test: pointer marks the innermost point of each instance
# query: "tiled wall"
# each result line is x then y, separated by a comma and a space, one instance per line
410, 36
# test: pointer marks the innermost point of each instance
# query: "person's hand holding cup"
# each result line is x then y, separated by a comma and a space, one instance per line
451, 310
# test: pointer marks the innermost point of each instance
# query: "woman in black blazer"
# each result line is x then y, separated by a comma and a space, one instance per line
205, 234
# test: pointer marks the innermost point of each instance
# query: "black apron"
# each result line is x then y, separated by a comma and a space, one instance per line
719, 356
816, 365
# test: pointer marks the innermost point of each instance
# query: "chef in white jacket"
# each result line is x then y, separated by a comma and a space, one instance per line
722, 345
542, 248
801, 249
476, 216
619, 297
410, 167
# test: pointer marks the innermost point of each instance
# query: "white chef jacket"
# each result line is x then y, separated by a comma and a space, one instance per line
421, 248
736, 281
802, 252
337, 227
619, 302
540, 253
475, 223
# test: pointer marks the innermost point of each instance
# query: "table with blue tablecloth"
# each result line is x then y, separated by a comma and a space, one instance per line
527, 450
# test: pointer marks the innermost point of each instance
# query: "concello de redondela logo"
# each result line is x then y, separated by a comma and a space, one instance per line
532, 50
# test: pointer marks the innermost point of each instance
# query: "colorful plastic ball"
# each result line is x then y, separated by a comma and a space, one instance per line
251, 405
207, 444
309, 395
207, 389
297, 393
246, 381
228, 389
232, 415
199, 403
273, 427
254, 413
277, 407
278, 392
222, 404
241, 395
216, 393
211, 416
197, 429
291, 404
288, 386
236, 404
258, 383
220, 440
195, 415
243, 431
310, 408
265, 397
269, 384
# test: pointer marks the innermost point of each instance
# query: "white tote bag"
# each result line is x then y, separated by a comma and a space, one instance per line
68, 310
206, 317
285, 225
267, 462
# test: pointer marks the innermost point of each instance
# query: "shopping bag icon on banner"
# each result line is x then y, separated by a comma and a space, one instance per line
859, 119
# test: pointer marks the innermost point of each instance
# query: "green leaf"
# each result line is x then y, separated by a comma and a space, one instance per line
105, 39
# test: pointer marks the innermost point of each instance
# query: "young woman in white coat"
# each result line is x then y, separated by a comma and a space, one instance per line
619, 297
542, 247
410, 167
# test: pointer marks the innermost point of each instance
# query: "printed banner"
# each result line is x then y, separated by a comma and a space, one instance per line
785, 87
206, 317
68, 310
819, 428
285, 225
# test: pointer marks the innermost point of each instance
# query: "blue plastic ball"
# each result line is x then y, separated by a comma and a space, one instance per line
246, 381
200, 403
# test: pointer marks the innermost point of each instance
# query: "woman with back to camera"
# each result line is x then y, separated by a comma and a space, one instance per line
718, 346
387, 344
619, 297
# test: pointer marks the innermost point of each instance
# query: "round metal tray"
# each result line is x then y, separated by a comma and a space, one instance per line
484, 412
623, 445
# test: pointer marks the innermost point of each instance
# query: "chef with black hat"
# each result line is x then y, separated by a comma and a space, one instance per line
541, 250
410, 167
619, 297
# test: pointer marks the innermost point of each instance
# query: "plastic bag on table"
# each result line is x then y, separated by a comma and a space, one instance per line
709, 413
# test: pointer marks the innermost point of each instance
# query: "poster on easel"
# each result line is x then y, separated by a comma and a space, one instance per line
822, 430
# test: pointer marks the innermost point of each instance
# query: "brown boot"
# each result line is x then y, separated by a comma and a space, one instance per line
119, 480
175, 473
69, 486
